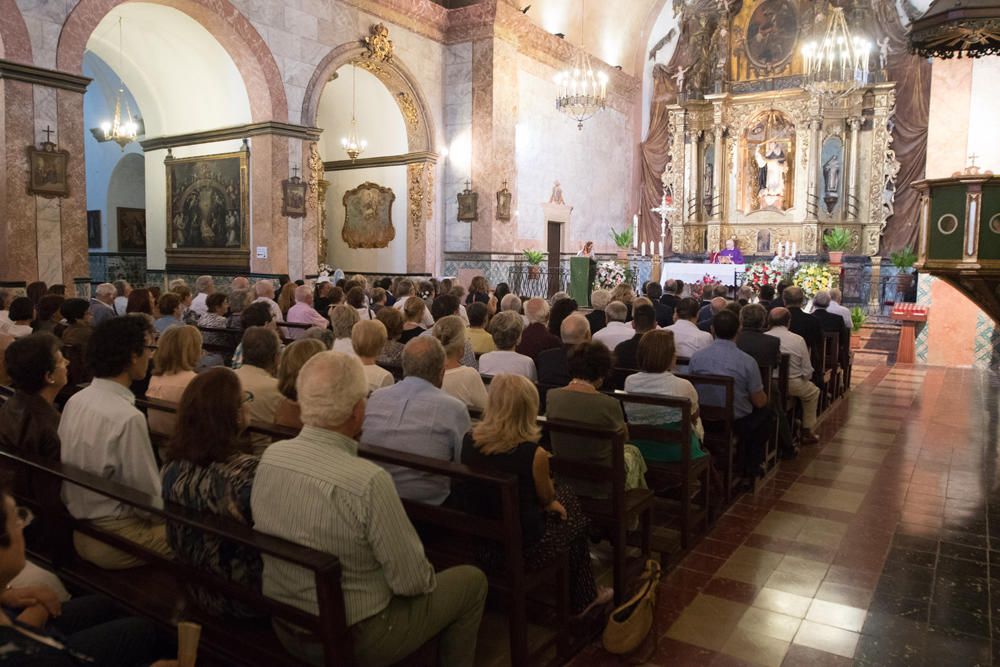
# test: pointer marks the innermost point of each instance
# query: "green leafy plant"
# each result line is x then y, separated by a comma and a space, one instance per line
622, 239
533, 257
837, 239
903, 259
858, 318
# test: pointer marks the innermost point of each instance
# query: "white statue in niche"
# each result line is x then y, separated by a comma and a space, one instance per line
772, 167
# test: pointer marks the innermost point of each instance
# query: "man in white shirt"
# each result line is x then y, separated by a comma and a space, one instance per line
204, 286
314, 490
304, 313
103, 433
264, 289
688, 338
836, 309
617, 330
800, 370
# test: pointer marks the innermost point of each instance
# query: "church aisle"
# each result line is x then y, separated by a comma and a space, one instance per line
875, 548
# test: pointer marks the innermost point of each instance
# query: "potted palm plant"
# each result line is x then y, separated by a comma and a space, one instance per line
534, 259
836, 241
903, 260
857, 322
623, 240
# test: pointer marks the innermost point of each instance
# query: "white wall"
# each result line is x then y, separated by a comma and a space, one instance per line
381, 124
126, 188
592, 165
458, 138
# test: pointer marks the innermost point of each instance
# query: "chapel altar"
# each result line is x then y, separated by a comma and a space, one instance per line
759, 155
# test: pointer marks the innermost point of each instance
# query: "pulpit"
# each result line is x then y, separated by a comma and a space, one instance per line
910, 314
581, 279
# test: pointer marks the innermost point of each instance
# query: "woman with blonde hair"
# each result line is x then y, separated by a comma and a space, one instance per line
178, 352
287, 298
462, 382
292, 360
368, 337
626, 294
506, 440
413, 314
343, 318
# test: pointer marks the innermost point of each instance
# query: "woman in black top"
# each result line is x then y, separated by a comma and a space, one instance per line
479, 290
506, 440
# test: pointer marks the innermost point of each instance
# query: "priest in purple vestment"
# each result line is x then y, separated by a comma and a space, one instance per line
731, 255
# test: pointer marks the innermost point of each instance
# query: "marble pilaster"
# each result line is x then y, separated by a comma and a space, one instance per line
421, 241
268, 167
18, 252
73, 216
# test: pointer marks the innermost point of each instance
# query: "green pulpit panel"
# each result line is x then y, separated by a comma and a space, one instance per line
581, 279
946, 226
989, 224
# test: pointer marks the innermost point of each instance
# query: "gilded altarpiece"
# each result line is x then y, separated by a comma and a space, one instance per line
764, 161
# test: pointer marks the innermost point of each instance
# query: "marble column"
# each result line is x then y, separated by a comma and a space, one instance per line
719, 142
494, 96
18, 246
73, 209
691, 160
853, 166
421, 243
269, 228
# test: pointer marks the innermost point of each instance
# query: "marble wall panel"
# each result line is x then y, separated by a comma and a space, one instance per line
948, 124
19, 254
73, 217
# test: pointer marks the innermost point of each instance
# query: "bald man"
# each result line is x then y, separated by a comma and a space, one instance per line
304, 313
552, 364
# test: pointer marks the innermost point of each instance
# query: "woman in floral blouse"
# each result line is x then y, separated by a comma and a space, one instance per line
209, 471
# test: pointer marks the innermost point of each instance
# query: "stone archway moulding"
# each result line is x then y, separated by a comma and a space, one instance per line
251, 55
15, 43
393, 75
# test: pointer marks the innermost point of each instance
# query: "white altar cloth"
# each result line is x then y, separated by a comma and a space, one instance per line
693, 272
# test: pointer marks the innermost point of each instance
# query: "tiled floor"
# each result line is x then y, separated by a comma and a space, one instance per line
878, 547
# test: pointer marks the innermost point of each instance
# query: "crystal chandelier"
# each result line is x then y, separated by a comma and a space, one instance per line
582, 92
121, 131
353, 146
837, 64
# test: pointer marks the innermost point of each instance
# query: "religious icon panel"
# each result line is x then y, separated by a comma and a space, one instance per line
368, 216
771, 33
206, 204
769, 164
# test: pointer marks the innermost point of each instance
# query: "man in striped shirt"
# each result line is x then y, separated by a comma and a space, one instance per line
314, 490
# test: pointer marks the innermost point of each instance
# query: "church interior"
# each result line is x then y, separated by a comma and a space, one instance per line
499, 332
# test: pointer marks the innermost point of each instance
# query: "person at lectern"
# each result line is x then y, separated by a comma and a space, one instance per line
587, 250
731, 254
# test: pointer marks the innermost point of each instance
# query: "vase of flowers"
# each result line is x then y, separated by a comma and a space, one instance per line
609, 275
534, 259
762, 273
623, 240
814, 277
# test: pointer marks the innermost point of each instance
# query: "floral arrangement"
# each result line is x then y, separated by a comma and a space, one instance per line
784, 264
325, 268
762, 273
814, 277
609, 275
698, 288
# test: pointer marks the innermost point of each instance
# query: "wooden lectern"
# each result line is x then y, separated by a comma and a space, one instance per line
909, 314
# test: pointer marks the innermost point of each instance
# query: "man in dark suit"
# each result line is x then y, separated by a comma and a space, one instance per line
805, 325
766, 351
536, 336
766, 296
672, 290
599, 300
833, 323
664, 313
552, 365
643, 319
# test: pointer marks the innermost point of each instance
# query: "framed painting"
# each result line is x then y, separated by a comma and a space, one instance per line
131, 228
293, 199
503, 203
468, 205
48, 167
771, 33
368, 216
93, 229
207, 211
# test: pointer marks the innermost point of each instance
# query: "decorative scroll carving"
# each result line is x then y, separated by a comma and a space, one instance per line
378, 43
315, 175
321, 227
409, 109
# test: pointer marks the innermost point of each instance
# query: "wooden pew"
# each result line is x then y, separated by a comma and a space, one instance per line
156, 589
464, 531
829, 369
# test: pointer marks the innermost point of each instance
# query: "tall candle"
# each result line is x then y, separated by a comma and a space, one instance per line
795, 249
661, 249
635, 231
643, 253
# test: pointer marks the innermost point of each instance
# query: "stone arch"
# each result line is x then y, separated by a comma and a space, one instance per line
15, 43
394, 75
250, 54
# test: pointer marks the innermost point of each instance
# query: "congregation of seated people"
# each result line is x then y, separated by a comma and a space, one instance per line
425, 368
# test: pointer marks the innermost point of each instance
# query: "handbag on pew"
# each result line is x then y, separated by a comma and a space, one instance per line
629, 624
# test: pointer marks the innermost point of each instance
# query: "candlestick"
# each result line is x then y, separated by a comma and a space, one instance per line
795, 249
643, 253
635, 231
661, 250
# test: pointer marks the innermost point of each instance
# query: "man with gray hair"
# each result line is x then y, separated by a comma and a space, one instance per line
711, 306
314, 490
204, 285
800, 370
617, 331
303, 312
553, 365
404, 292
264, 289
837, 309
599, 300
239, 282
102, 304
802, 323
415, 416
536, 337
832, 323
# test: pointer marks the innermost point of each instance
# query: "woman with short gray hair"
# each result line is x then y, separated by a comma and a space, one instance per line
343, 318
462, 382
506, 329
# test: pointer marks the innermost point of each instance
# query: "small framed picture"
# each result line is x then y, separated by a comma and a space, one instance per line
93, 229
131, 228
468, 205
293, 201
48, 171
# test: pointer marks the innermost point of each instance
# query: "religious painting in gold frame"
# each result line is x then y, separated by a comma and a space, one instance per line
767, 176
368, 216
208, 222
771, 33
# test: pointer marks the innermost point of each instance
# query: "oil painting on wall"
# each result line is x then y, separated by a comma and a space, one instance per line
207, 202
368, 216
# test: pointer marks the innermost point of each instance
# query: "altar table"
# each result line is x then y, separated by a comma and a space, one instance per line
694, 272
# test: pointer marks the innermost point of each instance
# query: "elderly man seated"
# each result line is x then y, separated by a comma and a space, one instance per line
800, 371
314, 490
304, 313
599, 300
688, 338
553, 367
102, 304
618, 330
416, 416
536, 337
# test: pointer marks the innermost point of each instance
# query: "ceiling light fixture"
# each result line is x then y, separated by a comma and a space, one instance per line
581, 91
121, 131
353, 146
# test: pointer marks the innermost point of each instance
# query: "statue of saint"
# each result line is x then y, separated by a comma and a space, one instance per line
831, 175
771, 174
557, 195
